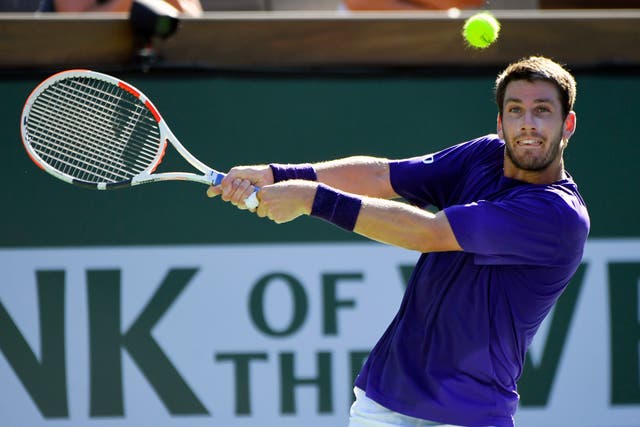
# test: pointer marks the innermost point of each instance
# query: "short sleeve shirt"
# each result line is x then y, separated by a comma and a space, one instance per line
456, 348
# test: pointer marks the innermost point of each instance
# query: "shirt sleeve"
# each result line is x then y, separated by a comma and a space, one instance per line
433, 179
527, 229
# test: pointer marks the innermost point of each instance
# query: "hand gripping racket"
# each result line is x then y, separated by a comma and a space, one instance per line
96, 131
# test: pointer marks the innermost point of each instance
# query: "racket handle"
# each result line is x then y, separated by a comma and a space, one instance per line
252, 201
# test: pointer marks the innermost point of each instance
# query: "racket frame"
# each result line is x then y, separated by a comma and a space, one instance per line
209, 175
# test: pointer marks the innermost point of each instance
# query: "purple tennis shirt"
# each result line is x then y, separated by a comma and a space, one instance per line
457, 345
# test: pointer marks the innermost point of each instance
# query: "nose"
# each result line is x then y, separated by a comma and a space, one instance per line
528, 122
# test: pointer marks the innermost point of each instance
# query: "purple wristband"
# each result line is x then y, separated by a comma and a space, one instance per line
286, 172
336, 207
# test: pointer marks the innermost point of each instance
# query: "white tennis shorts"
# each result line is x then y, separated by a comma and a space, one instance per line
367, 413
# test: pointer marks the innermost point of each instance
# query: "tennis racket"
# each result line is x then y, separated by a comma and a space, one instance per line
96, 131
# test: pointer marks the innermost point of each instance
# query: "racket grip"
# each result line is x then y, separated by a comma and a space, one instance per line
252, 201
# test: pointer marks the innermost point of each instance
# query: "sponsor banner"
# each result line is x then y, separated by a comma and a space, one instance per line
272, 335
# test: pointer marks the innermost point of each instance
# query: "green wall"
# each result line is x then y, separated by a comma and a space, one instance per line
227, 120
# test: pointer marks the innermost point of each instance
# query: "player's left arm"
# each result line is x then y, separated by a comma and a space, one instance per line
387, 221
406, 226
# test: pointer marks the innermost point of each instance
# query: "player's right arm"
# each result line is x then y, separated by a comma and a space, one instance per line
363, 175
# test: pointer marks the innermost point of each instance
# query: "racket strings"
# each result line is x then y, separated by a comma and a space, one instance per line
81, 103
73, 156
93, 130
77, 158
92, 125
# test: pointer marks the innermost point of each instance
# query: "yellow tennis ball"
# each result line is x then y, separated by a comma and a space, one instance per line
481, 29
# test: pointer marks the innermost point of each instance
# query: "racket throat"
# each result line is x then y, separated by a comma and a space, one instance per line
214, 177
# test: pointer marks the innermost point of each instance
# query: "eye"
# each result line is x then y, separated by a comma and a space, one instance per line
514, 109
543, 109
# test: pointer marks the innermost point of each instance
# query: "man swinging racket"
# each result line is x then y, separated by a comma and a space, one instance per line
508, 234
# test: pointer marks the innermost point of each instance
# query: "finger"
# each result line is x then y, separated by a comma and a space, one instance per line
243, 190
261, 211
226, 187
235, 194
214, 191
230, 190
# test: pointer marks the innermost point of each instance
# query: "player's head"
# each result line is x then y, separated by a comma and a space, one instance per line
535, 99
538, 68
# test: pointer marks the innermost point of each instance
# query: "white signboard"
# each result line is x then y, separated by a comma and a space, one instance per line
246, 335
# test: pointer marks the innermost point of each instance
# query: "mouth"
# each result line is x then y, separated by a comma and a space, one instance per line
529, 142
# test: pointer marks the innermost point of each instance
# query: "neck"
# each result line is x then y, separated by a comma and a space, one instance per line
552, 173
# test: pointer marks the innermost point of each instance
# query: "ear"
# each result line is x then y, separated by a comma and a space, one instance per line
569, 125
499, 126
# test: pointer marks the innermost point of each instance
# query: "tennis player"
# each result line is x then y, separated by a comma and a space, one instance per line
508, 234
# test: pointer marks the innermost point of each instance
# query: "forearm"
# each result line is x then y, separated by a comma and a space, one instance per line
399, 224
386, 221
367, 176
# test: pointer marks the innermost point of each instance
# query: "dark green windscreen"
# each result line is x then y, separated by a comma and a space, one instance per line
226, 121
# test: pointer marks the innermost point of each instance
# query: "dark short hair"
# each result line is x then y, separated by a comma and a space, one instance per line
536, 68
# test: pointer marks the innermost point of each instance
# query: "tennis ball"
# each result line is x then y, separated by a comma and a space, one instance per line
480, 30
